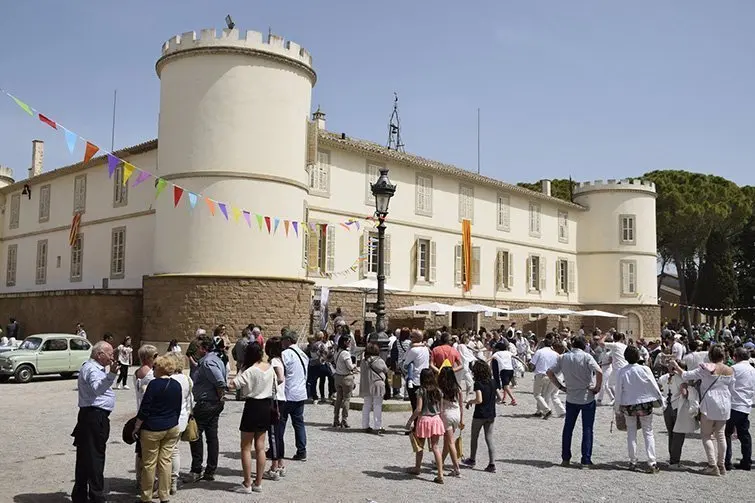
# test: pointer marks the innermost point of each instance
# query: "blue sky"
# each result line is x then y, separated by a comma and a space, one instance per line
583, 88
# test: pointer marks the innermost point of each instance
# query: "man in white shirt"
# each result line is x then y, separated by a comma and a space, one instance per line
671, 388
741, 404
677, 348
543, 360
295, 364
694, 358
615, 351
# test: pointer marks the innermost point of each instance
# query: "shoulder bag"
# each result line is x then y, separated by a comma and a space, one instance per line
275, 413
191, 433
700, 414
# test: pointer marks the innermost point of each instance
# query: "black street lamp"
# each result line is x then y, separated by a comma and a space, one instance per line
383, 190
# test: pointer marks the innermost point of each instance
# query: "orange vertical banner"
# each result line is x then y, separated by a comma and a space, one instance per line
466, 254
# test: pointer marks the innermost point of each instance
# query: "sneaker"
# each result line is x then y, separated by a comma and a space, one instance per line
242, 489
548, 414
468, 462
586, 466
381, 431
565, 463
742, 466
192, 477
490, 468
256, 489
281, 471
271, 475
722, 469
336, 423
345, 425
711, 470
299, 457
653, 468
209, 477
125, 386
368, 430
676, 467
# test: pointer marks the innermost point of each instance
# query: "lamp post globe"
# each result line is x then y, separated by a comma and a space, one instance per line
383, 190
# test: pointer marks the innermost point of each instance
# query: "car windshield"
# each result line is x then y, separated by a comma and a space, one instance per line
31, 343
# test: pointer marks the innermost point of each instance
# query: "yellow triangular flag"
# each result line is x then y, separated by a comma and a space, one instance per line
236, 213
128, 170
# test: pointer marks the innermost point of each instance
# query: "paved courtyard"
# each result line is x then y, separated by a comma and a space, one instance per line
37, 459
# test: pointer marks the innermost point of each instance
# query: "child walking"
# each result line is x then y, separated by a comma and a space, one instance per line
429, 423
484, 412
451, 414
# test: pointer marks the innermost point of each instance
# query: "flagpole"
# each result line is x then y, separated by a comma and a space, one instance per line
112, 135
478, 141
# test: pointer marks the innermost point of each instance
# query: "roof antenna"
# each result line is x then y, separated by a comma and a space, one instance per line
229, 22
394, 128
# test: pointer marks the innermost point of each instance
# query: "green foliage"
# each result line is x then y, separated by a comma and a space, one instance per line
560, 188
744, 262
717, 273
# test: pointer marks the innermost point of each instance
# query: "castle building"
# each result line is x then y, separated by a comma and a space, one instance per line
235, 125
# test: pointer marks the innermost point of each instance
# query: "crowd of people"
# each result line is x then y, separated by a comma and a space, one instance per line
694, 381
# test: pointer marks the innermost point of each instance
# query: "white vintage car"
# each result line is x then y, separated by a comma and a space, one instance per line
41, 354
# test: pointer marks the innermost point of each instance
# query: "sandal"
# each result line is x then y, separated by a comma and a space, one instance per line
513, 402
438, 480
454, 473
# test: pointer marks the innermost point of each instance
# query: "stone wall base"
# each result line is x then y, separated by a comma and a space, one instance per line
58, 311
175, 306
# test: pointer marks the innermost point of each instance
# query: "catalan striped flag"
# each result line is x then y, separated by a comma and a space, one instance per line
75, 223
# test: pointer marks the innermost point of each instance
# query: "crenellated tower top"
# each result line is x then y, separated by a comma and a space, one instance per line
628, 184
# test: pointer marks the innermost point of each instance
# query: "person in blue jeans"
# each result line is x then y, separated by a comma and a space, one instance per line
582, 381
296, 364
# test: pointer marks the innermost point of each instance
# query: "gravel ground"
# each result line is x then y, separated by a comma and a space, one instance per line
38, 459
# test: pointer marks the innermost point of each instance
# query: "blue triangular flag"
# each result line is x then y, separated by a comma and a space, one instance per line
70, 139
277, 222
192, 199
112, 163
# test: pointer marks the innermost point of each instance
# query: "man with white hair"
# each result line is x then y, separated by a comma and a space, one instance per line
96, 402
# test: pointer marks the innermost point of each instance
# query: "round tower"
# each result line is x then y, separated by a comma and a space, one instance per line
232, 127
616, 247
6, 176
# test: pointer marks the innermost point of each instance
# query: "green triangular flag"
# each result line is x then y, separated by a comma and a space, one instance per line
159, 187
259, 220
23, 105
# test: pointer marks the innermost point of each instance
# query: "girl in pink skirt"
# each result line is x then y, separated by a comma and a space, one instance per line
429, 423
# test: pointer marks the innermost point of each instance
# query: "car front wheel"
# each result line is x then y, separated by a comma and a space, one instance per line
24, 373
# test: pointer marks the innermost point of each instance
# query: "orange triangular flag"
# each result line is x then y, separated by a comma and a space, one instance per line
90, 151
210, 204
285, 225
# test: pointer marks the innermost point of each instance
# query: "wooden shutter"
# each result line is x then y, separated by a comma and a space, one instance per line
330, 249
387, 256
312, 138
499, 270
529, 273
415, 260
572, 275
457, 265
542, 274
364, 251
432, 261
475, 265
624, 278
510, 284
558, 276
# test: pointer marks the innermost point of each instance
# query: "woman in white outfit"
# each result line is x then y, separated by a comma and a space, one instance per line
636, 394
717, 384
187, 404
464, 374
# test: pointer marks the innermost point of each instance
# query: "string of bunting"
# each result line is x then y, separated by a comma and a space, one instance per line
713, 309
139, 176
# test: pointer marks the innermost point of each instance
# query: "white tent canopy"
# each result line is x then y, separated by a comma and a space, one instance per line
541, 311
598, 314
368, 285
433, 307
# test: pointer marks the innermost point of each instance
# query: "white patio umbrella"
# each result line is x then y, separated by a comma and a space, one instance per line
433, 307
478, 308
598, 314
541, 311
368, 285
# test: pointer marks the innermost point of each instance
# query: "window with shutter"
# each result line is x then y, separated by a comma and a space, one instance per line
503, 262
563, 227
77, 256
10, 269
312, 139
510, 283
432, 262
79, 194
628, 278
535, 220
466, 203
423, 199
313, 261
330, 264
118, 253
44, 203
562, 276
475, 265
572, 275
536, 273
502, 221
627, 229
15, 210
319, 174
41, 270
371, 249
457, 265
423, 260
372, 174
542, 274
120, 189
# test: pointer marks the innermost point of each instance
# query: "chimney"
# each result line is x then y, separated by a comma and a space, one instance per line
546, 184
37, 158
319, 118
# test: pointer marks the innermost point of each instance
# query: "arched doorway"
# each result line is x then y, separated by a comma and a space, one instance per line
631, 325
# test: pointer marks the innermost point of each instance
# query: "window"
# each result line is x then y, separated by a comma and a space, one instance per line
424, 250
535, 273
10, 268
120, 189
80, 344
118, 253
80, 194
626, 225
423, 195
466, 203
77, 255
44, 203
502, 316
565, 273
15, 210
372, 173
459, 270
55, 345
319, 174
535, 220
563, 227
502, 220
372, 252
321, 247
628, 278
504, 270
41, 272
